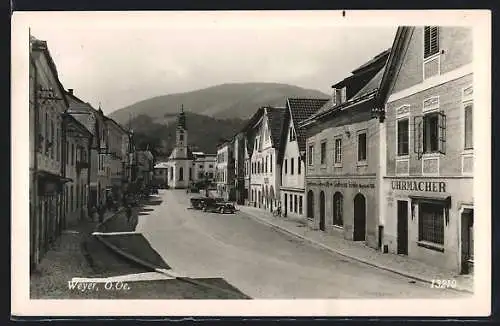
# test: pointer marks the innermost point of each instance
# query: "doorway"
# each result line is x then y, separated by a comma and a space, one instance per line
402, 227
286, 205
359, 218
310, 205
467, 236
322, 211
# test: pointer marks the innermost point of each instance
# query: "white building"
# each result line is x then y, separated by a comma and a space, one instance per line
204, 165
224, 174
180, 161
265, 179
291, 155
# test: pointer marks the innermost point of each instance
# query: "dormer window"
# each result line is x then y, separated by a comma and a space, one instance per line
339, 95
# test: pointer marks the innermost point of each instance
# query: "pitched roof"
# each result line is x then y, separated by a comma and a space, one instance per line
299, 110
275, 117
372, 85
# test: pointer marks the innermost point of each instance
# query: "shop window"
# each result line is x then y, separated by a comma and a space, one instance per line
431, 223
323, 153
362, 147
291, 202
295, 203
310, 154
402, 132
431, 41
337, 209
300, 205
338, 151
468, 126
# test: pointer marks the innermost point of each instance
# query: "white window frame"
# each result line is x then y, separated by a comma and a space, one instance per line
403, 112
323, 141
432, 57
469, 152
365, 161
434, 107
310, 158
335, 163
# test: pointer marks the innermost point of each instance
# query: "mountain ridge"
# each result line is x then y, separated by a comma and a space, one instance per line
222, 101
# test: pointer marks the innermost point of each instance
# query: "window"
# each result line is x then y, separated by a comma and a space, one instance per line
266, 163
286, 166
431, 223
431, 41
201, 166
181, 174
362, 147
337, 209
323, 153
190, 174
291, 166
300, 204
468, 127
73, 154
310, 155
434, 127
210, 166
295, 203
52, 139
402, 134
338, 151
298, 165
291, 202
271, 164
171, 173
58, 142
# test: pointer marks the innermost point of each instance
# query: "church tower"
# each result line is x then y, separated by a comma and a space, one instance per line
180, 161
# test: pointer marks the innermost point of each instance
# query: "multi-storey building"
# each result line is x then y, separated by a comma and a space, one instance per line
264, 129
76, 192
427, 201
47, 105
116, 157
292, 154
145, 169
239, 150
342, 157
225, 170
204, 166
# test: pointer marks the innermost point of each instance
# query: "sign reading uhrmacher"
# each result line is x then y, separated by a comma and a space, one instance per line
413, 185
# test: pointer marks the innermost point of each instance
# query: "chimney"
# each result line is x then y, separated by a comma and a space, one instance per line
70, 90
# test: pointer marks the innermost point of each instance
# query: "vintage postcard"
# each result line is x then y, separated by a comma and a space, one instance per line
281, 163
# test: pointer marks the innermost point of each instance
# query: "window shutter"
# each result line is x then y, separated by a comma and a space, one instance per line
442, 132
417, 136
431, 40
343, 94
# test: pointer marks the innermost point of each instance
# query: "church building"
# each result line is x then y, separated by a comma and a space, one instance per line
180, 162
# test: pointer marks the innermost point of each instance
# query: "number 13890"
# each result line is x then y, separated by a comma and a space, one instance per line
443, 284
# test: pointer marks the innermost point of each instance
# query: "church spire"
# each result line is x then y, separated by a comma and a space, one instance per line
181, 119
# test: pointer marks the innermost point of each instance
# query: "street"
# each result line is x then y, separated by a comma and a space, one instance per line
261, 262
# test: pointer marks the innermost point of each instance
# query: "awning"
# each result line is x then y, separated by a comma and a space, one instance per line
51, 177
443, 200
50, 183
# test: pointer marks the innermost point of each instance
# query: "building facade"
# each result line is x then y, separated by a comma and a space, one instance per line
180, 161
47, 103
427, 198
160, 174
116, 157
342, 158
225, 171
76, 191
239, 150
292, 154
204, 166
265, 179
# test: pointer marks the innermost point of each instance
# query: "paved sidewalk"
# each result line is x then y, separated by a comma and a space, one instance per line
358, 251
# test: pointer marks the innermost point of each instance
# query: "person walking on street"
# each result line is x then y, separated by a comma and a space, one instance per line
129, 213
102, 211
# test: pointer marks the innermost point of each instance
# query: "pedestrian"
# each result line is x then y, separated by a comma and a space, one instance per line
102, 211
129, 213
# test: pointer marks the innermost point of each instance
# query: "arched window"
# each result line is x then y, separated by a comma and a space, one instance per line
337, 209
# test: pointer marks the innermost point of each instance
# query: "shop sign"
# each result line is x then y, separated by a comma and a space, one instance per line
342, 184
413, 185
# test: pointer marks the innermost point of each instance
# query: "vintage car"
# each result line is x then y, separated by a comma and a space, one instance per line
218, 205
197, 202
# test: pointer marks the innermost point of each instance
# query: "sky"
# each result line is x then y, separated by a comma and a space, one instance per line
117, 60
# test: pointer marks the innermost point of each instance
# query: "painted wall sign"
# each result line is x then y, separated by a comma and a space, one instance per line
412, 185
342, 184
